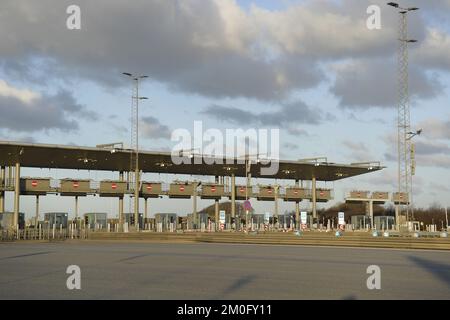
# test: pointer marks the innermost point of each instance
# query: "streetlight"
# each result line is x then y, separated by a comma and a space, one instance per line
403, 121
413, 134
135, 134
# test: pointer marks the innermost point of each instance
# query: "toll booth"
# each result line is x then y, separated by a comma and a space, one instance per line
166, 222
297, 194
203, 218
360, 222
384, 222
96, 220
400, 198
241, 192
266, 193
323, 195
129, 218
286, 221
7, 218
56, 218
380, 197
71, 187
181, 190
151, 189
257, 222
110, 188
212, 191
34, 186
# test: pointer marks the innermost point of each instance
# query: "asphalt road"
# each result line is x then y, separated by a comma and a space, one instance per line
121, 270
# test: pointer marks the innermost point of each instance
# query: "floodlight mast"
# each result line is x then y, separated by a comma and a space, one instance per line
403, 117
135, 143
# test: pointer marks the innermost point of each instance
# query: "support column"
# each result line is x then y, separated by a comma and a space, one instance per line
76, 208
397, 217
2, 186
16, 196
136, 199
194, 206
121, 206
233, 200
37, 211
145, 209
216, 209
275, 214
372, 222
314, 199
297, 210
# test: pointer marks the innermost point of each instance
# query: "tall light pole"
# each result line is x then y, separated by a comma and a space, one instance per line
135, 141
411, 135
404, 116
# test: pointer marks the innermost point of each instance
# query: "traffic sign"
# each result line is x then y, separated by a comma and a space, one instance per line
34, 183
303, 217
341, 219
247, 205
222, 216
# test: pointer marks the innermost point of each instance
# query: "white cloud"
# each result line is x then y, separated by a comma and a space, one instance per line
24, 95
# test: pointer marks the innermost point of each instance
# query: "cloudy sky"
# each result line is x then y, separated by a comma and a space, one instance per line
310, 68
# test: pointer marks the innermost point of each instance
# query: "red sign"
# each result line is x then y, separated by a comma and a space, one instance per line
75, 184
181, 188
149, 187
34, 183
322, 193
269, 191
213, 189
114, 186
241, 190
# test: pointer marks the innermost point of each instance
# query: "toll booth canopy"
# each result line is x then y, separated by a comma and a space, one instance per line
151, 189
212, 191
357, 194
323, 195
297, 194
35, 186
71, 187
266, 193
181, 190
241, 192
380, 197
400, 198
110, 188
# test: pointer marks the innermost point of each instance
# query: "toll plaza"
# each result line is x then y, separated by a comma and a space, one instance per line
15, 155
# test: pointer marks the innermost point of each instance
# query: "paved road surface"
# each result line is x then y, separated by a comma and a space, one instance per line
120, 270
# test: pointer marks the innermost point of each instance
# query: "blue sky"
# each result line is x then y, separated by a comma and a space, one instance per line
230, 54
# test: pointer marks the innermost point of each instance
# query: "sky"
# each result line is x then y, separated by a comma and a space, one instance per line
309, 68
